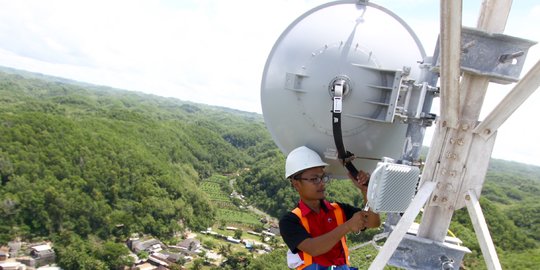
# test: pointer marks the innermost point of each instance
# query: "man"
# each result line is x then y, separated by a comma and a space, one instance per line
316, 229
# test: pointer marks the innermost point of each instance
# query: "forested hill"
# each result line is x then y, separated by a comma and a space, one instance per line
85, 159
80, 161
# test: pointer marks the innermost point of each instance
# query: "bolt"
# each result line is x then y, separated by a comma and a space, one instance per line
465, 126
444, 199
435, 198
468, 197
465, 47
446, 263
443, 124
487, 131
452, 140
511, 57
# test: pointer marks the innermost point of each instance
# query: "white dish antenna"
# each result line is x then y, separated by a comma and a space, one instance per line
366, 51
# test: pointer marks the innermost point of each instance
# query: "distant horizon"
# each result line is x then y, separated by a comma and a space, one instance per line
2, 68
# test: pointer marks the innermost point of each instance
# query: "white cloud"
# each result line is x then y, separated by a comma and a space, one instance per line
212, 51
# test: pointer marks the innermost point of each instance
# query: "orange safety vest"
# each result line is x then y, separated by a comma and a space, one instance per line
308, 259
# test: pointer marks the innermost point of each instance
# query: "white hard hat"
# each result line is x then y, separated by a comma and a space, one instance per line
300, 159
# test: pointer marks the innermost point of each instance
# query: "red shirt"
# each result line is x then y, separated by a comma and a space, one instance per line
319, 224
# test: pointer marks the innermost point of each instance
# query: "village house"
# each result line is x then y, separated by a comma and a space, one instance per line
233, 240
4, 253
38, 255
171, 256
27, 260
151, 245
248, 244
191, 245
12, 265
145, 266
254, 233
42, 254
158, 259
274, 230
14, 247
214, 258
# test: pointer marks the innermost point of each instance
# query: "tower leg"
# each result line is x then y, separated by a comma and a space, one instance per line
482, 231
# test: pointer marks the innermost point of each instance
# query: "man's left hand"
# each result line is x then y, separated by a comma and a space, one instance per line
361, 181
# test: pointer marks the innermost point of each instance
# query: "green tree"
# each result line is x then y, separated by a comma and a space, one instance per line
275, 260
225, 250
143, 255
75, 253
238, 233
239, 260
197, 264
115, 255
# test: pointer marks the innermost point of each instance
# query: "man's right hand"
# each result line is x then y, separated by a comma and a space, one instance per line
358, 221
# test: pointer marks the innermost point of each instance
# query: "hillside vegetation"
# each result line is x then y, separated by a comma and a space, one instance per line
87, 166
79, 162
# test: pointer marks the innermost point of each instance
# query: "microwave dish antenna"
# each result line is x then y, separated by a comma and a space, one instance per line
353, 53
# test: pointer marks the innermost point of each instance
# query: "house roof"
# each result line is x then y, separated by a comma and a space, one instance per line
234, 240
143, 245
9, 265
157, 260
174, 257
145, 266
40, 248
188, 242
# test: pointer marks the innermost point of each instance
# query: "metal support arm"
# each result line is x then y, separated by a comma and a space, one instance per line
482, 231
523, 89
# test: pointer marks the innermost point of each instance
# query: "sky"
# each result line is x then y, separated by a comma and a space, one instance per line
214, 51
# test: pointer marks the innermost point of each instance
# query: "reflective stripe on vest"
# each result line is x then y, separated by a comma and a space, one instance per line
338, 212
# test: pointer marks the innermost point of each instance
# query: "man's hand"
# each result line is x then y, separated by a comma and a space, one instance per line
358, 221
361, 181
